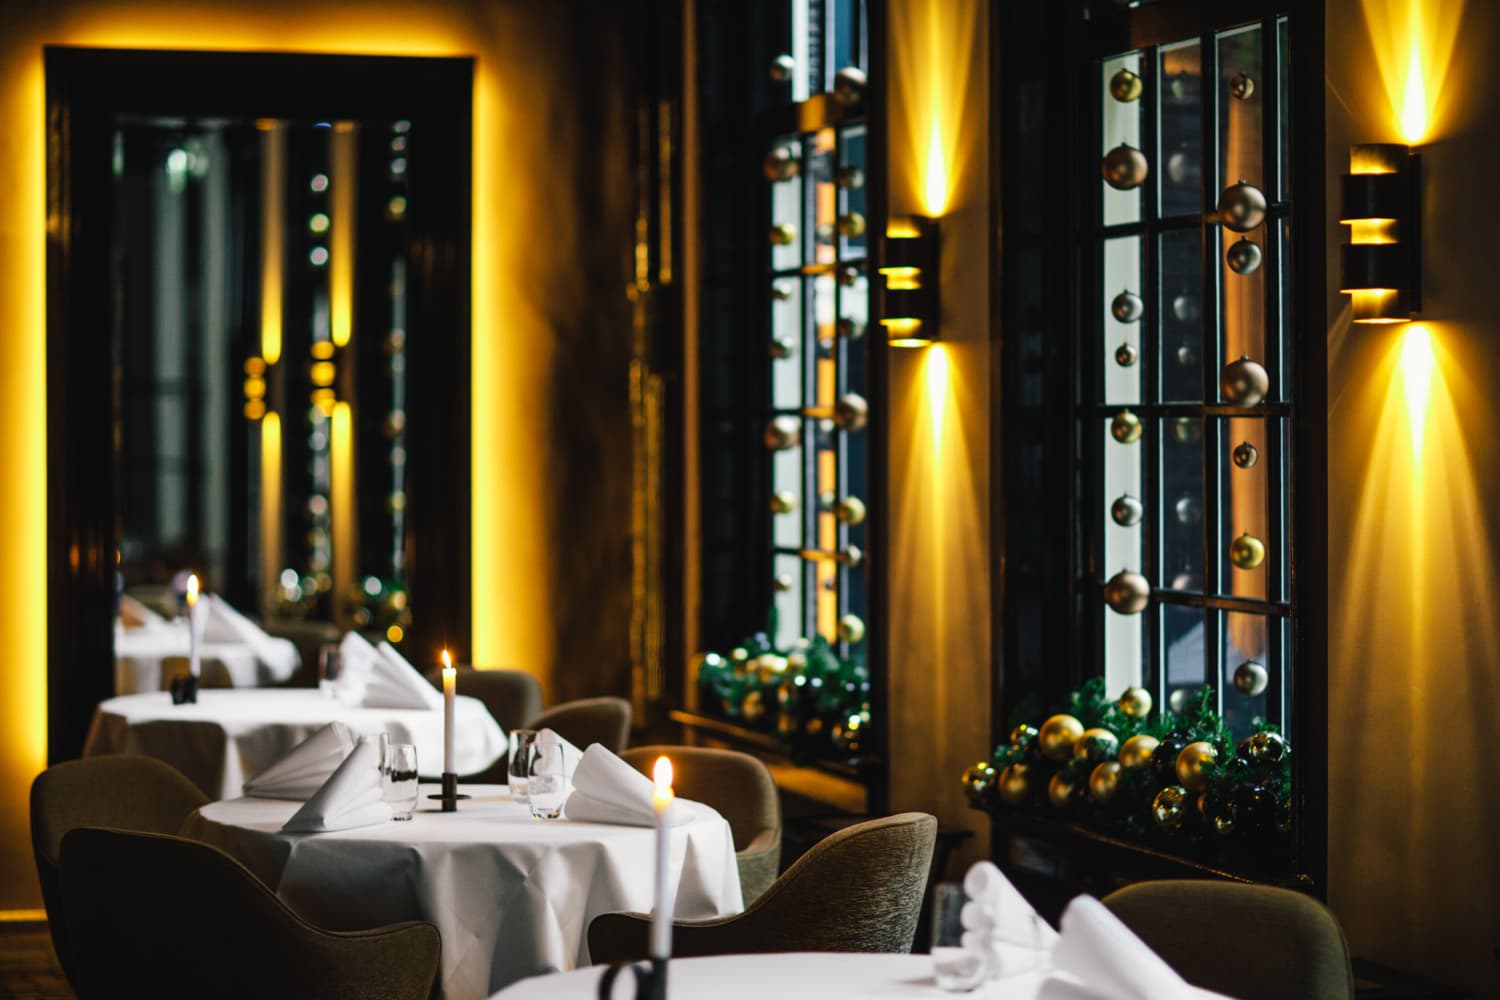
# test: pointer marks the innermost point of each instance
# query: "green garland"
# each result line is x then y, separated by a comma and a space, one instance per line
1229, 805
815, 703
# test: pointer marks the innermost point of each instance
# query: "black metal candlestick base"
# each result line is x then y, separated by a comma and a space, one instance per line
450, 794
650, 980
185, 690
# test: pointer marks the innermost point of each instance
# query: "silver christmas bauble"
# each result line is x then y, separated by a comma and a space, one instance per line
782, 68
1127, 593
851, 412
780, 165
1125, 354
1244, 382
1124, 168
783, 432
1250, 678
1242, 207
1242, 87
1127, 307
1245, 455
1243, 256
849, 86
1126, 510
781, 348
783, 502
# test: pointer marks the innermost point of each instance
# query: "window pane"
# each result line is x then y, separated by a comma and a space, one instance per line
1180, 316
1182, 643
852, 215
1181, 517
1246, 676
787, 343
1122, 319
1122, 124
1180, 71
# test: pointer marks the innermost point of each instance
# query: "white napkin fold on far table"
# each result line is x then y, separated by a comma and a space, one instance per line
1000, 927
306, 767
224, 624
381, 678
350, 798
134, 614
608, 790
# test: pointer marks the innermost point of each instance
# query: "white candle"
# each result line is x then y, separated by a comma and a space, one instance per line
661, 914
195, 627
450, 689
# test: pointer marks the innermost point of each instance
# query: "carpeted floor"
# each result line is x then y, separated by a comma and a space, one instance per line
28, 968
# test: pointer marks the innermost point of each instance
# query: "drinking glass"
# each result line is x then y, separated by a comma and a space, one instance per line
521, 742
329, 661
399, 782
957, 969
547, 782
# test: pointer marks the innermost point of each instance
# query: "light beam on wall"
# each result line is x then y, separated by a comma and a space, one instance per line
935, 173
1416, 381
935, 375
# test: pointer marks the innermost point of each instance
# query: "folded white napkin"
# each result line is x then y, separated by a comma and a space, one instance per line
1099, 958
306, 766
223, 623
608, 790
350, 798
381, 678
134, 614
1001, 927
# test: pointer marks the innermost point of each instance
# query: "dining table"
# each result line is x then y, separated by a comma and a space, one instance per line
511, 895
229, 736
144, 655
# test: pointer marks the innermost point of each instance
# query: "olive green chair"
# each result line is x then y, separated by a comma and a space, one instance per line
605, 721
741, 789
513, 697
859, 889
121, 791
1254, 942
164, 917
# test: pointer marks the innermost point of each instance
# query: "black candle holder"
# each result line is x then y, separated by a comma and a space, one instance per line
185, 690
650, 979
450, 794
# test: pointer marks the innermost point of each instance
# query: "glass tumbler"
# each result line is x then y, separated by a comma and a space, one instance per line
547, 784
330, 659
957, 969
521, 743
399, 781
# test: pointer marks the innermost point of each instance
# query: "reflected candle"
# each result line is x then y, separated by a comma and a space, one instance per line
195, 627
450, 688
661, 914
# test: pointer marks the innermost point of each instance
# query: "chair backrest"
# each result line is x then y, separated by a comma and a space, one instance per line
127, 792
513, 697
859, 889
1220, 935
160, 916
589, 720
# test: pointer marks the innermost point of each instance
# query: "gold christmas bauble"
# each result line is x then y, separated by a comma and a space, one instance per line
1127, 307
767, 667
1058, 736
780, 165
781, 348
1015, 784
783, 432
738, 654
1125, 354
753, 707
783, 234
1247, 551
1126, 511
1242, 207
852, 224
1023, 736
783, 67
1126, 427
1190, 763
1137, 751
1104, 781
850, 510
1127, 593
783, 583
1135, 702
849, 86
1244, 382
1096, 744
783, 502
1169, 808
781, 291
1125, 86
1245, 455
1124, 168
1243, 256
1242, 87
979, 778
1250, 678
1061, 791
851, 628
851, 412
1263, 747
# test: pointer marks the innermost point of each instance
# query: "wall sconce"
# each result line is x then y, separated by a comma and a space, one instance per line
1382, 269
909, 297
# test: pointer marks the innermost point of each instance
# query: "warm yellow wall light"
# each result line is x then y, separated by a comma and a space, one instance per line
272, 234
270, 508
935, 376
341, 504
1413, 43
1417, 362
343, 154
935, 173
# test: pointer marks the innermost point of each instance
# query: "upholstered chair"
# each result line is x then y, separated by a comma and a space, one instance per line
158, 916
589, 720
1254, 942
513, 697
859, 889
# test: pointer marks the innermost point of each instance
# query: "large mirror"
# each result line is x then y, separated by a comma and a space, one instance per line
253, 281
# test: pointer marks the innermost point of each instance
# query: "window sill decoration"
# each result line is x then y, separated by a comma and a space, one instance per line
1173, 782
814, 702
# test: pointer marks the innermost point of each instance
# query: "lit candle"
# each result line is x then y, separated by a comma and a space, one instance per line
450, 689
661, 914
195, 627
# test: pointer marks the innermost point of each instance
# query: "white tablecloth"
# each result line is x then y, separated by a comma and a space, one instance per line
810, 975
139, 653
512, 895
229, 737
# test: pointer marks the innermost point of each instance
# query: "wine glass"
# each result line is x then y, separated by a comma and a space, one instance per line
957, 968
547, 782
399, 782
519, 768
330, 660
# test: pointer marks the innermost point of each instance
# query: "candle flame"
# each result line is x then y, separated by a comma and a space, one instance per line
192, 589
662, 773
447, 660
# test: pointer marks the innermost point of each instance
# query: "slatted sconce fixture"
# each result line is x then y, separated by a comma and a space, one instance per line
909, 295
1382, 268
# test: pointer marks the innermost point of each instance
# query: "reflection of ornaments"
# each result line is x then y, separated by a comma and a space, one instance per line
781, 348
1124, 168
1187, 357
1242, 87
781, 291
1263, 748
753, 707
1182, 168
1015, 784
1188, 510
823, 232
782, 234
783, 502
850, 330
813, 726
1058, 736
1247, 551
1185, 308
1125, 86
783, 582
1242, 207
1127, 307
1243, 256
1096, 744
1244, 382
851, 628
979, 778
1136, 751
851, 412
1245, 455
849, 275
1191, 763
782, 68
783, 432
1186, 430
850, 510
1179, 700
849, 86
1104, 782
849, 177
1125, 354
852, 224
1127, 593
1060, 791
780, 165
1023, 736
1135, 702
1125, 427
1169, 808
1250, 678
1126, 511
